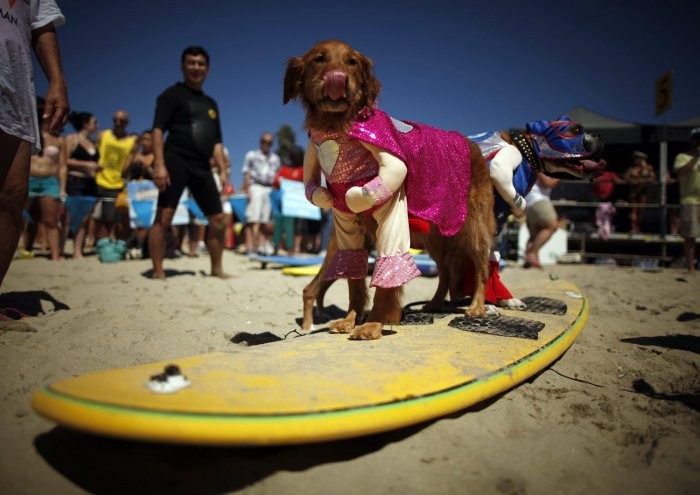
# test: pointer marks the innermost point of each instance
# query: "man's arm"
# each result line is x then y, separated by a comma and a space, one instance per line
161, 178
45, 44
222, 164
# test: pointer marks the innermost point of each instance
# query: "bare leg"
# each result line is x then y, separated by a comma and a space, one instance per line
538, 238
49, 218
156, 239
215, 243
78, 240
14, 178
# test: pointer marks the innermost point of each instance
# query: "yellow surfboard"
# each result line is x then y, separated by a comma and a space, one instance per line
297, 271
322, 386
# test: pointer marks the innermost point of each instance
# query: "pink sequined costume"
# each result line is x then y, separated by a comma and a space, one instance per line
435, 189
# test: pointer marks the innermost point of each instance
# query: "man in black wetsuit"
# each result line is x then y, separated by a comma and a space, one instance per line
191, 120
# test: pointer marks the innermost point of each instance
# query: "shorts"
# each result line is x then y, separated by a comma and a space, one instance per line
259, 206
541, 214
106, 206
44, 186
81, 186
690, 221
196, 176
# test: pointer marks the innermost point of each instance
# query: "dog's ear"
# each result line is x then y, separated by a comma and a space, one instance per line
371, 84
293, 78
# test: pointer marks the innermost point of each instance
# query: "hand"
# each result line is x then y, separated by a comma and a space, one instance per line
223, 177
161, 178
56, 106
322, 198
357, 200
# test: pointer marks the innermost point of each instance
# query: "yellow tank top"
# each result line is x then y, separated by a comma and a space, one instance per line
113, 156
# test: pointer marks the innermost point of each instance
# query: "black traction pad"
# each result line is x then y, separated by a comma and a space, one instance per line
502, 326
544, 305
420, 317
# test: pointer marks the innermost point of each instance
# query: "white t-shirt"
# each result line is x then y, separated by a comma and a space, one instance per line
17, 93
261, 168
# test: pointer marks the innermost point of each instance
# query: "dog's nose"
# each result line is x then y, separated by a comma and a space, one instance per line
334, 82
593, 144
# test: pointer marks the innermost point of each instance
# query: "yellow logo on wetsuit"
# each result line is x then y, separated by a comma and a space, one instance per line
212, 114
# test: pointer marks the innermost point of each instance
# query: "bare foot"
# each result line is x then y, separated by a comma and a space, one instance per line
159, 275
221, 275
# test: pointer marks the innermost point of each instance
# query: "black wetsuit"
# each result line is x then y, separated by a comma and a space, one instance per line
191, 120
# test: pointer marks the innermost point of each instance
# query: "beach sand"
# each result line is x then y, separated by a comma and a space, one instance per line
577, 427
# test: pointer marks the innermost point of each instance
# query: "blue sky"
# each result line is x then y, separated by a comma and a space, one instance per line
466, 66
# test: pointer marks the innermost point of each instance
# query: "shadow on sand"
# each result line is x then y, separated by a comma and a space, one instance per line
109, 466
17, 305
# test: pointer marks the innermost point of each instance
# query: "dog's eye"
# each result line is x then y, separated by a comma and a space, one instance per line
352, 61
320, 58
576, 130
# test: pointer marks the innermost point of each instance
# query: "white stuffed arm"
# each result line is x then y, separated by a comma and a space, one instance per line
392, 172
501, 169
317, 195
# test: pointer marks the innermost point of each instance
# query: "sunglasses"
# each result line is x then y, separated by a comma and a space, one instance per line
265, 142
121, 121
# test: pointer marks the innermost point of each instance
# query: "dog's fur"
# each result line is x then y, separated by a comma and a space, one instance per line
453, 276
304, 81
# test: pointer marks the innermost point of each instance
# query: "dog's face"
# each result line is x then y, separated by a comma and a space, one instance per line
565, 149
333, 81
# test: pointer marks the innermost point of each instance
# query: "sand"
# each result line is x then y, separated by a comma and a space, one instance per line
578, 427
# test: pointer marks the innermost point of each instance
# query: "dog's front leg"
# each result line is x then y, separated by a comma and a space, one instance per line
386, 308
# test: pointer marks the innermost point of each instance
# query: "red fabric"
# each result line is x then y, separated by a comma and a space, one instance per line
603, 185
418, 225
287, 172
495, 289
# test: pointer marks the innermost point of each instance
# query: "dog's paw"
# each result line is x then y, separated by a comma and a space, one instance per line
344, 325
492, 310
475, 311
367, 331
512, 303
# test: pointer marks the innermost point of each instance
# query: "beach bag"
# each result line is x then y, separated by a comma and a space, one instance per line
109, 251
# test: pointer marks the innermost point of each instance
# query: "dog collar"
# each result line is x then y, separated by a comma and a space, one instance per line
523, 144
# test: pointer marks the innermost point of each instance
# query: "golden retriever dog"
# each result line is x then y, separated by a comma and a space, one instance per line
559, 148
447, 185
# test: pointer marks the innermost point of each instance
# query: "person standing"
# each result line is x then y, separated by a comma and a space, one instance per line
639, 176
687, 167
259, 170
289, 226
117, 149
26, 25
542, 218
47, 189
191, 120
82, 167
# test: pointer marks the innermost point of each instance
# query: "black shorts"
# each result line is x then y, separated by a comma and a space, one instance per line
81, 186
106, 208
197, 177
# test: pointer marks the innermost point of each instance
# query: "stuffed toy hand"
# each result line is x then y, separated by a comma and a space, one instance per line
322, 198
358, 199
